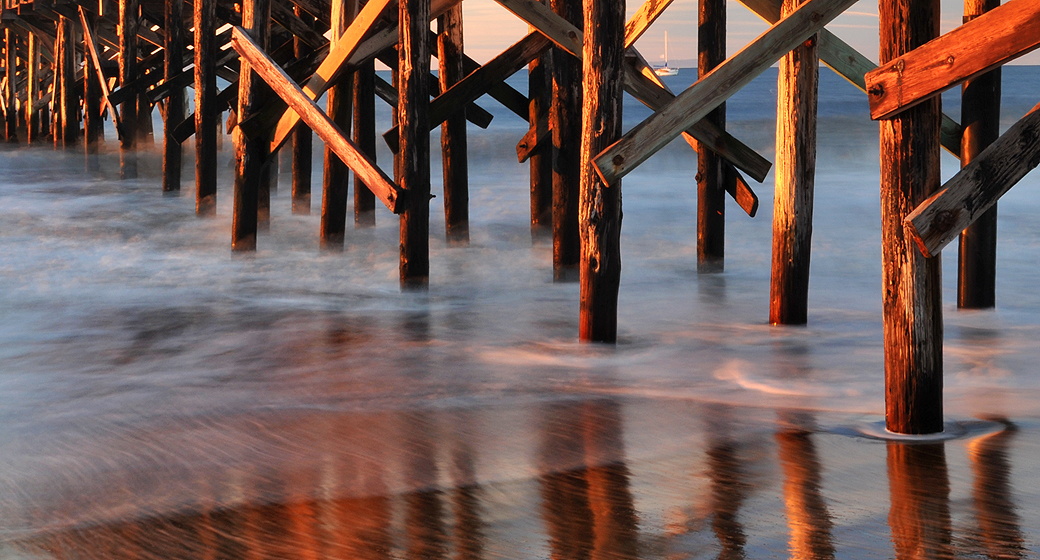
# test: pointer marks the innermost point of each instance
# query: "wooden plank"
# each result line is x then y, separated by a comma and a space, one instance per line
599, 212
986, 42
502, 92
642, 19
88, 37
976, 188
848, 63
911, 284
535, 138
315, 118
741, 192
566, 35
980, 113
478, 82
699, 99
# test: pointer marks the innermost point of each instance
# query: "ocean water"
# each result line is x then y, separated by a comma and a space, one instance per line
161, 397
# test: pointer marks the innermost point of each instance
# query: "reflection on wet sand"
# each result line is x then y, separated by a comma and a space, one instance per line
728, 487
808, 518
586, 502
919, 490
999, 534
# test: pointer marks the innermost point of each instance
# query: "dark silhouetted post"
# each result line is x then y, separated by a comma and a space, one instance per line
539, 90
174, 114
32, 91
711, 173
129, 21
250, 153
795, 175
10, 66
337, 174
302, 141
599, 212
565, 121
980, 117
207, 116
413, 167
365, 138
453, 131
912, 284
93, 125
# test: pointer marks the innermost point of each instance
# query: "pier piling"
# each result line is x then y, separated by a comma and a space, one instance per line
711, 172
175, 109
539, 89
365, 138
453, 130
207, 113
413, 158
337, 176
565, 122
302, 139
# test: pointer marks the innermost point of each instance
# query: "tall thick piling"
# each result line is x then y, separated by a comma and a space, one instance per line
302, 140
337, 175
175, 110
599, 212
10, 88
207, 114
365, 138
795, 175
32, 89
453, 131
251, 153
980, 117
565, 122
93, 123
68, 100
413, 157
912, 288
711, 172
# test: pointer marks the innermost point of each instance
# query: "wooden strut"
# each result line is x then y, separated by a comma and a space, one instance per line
312, 115
699, 99
986, 42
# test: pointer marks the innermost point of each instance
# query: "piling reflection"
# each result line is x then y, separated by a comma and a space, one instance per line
999, 534
808, 518
728, 487
919, 491
586, 502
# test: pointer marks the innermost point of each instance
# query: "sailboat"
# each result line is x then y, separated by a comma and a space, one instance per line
665, 70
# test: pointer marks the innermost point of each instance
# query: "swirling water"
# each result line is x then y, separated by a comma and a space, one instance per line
163, 398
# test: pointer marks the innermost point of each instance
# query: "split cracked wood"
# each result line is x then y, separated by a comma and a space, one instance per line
984, 43
711, 91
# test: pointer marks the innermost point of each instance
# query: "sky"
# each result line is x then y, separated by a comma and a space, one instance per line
489, 29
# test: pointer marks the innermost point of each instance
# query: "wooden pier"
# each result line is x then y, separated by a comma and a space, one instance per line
68, 64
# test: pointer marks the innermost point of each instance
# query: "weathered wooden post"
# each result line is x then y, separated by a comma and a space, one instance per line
413, 157
11, 89
565, 122
711, 172
337, 175
539, 90
599, 211
912, 283
127, 28
175, 110
795, 174
302, 140
250, 153
69, 100
980, 117
207, 115
32, 89
453, 130
93, 125
365, 138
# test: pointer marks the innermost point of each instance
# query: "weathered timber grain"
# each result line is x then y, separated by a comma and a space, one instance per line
173, 64
207, 110
711, 173
453, 130
797, 86
336, 178
69, 98
413, 169
911, 282
565, 123
986, 42
250, 154
600, 207
315, 118
32, 89
977, 186
539, 89
705, 95
980, 115
643, 18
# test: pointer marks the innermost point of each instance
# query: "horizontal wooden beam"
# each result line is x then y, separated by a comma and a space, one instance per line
478, 82
381, 186
712, 90
986, 42
977, 186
